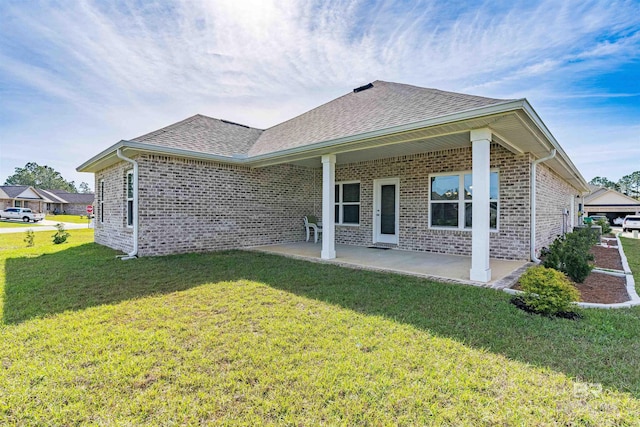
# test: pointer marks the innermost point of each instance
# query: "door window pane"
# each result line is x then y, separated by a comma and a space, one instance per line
388, 210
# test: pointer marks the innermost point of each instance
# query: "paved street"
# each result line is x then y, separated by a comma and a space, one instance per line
40, 226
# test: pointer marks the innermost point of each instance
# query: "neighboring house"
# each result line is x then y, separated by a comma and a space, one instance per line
45, 201
612, 203
72, 203
394, 164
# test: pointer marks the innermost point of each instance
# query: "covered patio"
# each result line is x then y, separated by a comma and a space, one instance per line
441, 267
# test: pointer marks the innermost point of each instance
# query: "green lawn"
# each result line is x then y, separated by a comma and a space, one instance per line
77, 219
254, 339
632, 252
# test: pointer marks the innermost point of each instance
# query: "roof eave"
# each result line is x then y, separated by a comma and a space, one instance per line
100, 161
434, 121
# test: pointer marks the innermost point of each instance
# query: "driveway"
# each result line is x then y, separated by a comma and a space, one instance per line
629, 234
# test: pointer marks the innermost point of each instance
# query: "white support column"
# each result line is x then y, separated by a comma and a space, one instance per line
480, 143
328, 206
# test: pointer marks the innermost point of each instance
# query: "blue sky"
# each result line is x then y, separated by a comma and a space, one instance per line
78, 76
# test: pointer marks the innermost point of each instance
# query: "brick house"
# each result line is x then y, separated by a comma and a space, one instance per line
45, 201
388, 163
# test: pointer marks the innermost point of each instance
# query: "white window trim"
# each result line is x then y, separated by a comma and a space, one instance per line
129, 199
101, 201
461, 201
338, 221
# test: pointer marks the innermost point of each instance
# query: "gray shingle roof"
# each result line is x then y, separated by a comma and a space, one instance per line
204, 135
82, 198
382, 106
49, 197
14, 190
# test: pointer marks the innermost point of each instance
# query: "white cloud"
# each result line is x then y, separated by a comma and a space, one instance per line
91, 73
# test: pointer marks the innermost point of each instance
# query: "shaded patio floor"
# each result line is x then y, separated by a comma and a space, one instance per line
449, 268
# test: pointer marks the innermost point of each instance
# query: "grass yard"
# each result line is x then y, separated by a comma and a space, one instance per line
76, 219
632, 251
255, 339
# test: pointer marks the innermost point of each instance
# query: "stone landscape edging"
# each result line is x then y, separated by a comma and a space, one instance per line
631, 285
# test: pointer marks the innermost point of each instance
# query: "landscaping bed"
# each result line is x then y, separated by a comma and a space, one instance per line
598, 287
607, 257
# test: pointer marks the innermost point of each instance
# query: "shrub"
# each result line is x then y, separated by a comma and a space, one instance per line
606, 227
29, 238
547, 291
570, 254
61, 235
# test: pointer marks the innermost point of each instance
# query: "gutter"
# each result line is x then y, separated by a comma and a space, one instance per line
134, 253
532, 204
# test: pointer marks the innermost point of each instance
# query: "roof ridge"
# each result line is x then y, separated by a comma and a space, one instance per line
165, 129
185, 122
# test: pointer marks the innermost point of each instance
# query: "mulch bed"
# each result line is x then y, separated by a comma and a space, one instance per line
607, 257
603, 288
600, 287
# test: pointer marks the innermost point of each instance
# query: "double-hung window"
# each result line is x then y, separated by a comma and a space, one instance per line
101, 201
451, 200
130, 199
347, 203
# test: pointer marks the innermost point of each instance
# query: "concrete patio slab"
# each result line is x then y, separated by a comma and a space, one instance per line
442, 267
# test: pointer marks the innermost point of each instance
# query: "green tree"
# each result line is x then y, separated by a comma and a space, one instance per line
44, 177
84, 188
630, 184
605, 182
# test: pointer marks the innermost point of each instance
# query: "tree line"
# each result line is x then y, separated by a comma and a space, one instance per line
628, 184
46, 178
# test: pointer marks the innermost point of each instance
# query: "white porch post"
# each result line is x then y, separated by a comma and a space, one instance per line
328, 206
480, 268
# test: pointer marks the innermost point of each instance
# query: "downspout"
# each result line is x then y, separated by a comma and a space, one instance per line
134, 253
532, 237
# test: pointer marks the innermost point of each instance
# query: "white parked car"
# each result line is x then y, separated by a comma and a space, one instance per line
24, 214
631, 222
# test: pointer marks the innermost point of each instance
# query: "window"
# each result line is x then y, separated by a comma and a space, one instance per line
130, 199
451, 200
17, 204
101, 201
347, 203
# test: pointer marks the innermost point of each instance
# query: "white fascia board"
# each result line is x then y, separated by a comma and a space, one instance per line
435, 121
89, 165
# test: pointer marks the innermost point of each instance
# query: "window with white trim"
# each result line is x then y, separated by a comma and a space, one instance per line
451, 200
347, 203
101, 201
130, 199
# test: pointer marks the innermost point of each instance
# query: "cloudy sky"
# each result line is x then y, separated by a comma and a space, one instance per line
78, 76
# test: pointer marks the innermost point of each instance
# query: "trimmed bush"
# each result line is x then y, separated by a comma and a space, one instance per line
606, 227
570, 254
548, 291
